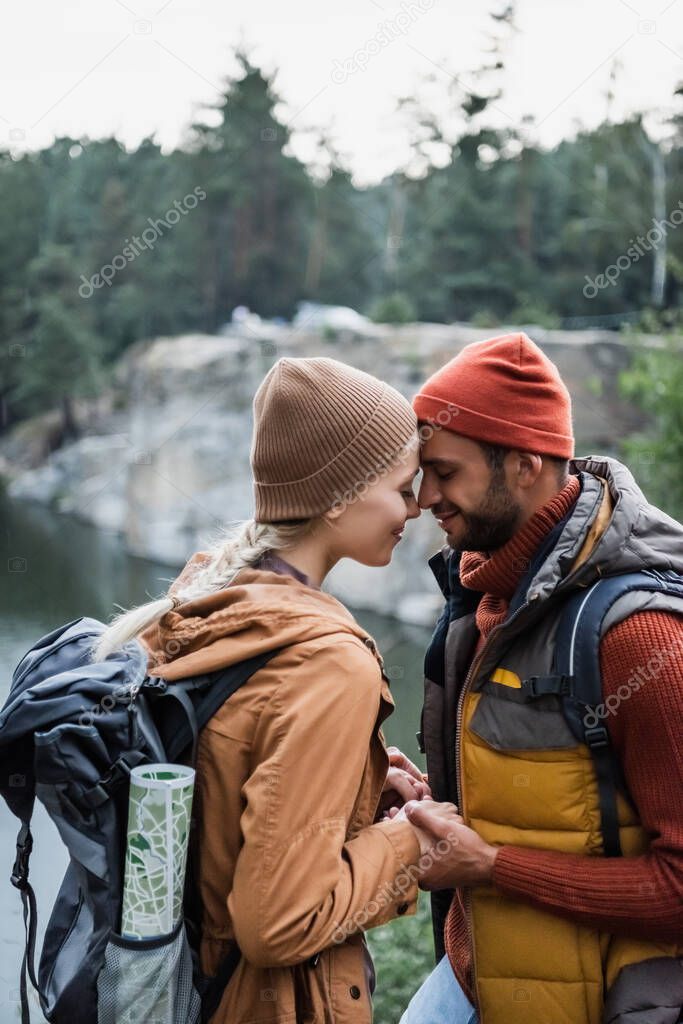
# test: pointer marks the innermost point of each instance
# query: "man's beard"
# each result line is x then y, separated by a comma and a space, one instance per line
496, 520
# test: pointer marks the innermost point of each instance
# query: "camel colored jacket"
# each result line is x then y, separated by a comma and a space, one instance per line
289, 774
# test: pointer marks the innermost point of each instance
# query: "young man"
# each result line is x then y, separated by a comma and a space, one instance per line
539, 925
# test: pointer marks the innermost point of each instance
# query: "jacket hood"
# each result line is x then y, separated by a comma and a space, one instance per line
258, 612
612, 529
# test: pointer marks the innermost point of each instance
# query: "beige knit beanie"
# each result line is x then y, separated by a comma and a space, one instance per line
321, 430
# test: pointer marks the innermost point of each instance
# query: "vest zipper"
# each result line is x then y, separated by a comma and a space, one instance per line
465, 689
458, 774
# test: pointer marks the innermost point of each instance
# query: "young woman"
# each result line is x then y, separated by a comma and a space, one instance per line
295, 856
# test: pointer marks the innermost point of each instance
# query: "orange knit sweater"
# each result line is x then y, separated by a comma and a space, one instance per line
637, 896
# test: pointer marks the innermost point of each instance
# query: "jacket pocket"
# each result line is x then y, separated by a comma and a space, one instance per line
304, 1000
148, 980
350, 981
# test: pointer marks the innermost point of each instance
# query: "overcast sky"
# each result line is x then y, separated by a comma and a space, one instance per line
135, 68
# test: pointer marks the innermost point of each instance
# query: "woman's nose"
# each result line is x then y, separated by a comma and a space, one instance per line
414, 510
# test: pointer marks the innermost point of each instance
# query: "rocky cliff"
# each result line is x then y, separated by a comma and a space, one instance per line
165, 456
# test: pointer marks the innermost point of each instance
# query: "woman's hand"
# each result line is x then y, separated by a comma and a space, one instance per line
404, 782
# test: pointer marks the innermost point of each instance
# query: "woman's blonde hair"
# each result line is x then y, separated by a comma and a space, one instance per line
238, 548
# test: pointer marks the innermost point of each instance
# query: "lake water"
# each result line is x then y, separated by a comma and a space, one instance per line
55, 569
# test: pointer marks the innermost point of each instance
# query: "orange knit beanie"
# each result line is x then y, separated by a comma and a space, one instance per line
503, 391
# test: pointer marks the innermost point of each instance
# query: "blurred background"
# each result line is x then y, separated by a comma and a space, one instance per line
188, 192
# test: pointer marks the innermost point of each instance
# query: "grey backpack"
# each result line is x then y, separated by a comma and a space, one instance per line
70, 733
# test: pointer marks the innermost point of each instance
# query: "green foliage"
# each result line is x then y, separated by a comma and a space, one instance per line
395, 308
655, 455
250, 234
484, 318
536, 314
594, 384
503, 232
658, 321
60, 351
403, 953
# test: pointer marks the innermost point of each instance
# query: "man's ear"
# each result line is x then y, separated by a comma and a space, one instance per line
528, 468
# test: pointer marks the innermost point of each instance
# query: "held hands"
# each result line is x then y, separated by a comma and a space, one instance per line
404, 782
445, 813
458, 855
454, 854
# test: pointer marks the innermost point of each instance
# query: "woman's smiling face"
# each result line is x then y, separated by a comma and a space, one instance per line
369, 527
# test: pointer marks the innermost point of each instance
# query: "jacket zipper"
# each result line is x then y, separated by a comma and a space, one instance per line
458, 774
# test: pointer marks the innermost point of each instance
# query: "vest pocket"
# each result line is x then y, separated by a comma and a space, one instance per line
507, 721
520, 784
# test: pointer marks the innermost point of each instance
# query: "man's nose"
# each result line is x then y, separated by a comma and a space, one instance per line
429, 494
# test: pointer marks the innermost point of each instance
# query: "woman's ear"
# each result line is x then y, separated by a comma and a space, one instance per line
332, 514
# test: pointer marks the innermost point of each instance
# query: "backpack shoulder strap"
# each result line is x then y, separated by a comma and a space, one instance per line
200, 697
19, 879
222, 684
577, 668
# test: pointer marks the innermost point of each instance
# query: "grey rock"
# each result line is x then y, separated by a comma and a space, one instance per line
166, 463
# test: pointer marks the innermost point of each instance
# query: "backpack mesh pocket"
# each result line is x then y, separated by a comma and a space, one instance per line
147, 980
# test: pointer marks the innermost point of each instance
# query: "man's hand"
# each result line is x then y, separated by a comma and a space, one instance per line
404, 782
459, 855
444, 813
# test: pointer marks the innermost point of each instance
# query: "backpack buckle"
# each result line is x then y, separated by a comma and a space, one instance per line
543, 686
117, 774
597, 737
119, 771
154, 683
19, 876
